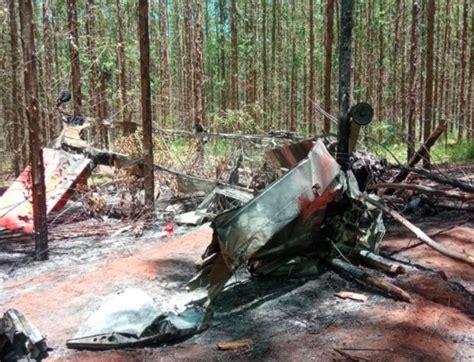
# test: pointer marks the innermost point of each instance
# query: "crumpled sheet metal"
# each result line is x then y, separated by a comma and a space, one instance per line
254, 224
219, 200
131, 319
273, 224
20, 339
288, 156
62, 171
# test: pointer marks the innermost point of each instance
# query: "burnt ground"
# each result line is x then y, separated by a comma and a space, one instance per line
289, 319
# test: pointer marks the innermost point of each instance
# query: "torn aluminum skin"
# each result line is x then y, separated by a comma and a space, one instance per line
131, 319
272, 226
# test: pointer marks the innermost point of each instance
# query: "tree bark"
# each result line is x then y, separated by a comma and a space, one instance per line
48, 63
328, 61
381, 69
33, 116
16, 100
189, 90
412, 82
462, 92
470, 98
397, 53
165, 94
74, 55
146, 102
293, 89
430, 14
121, 64
91, 46
312, 86
198, 71
234, 87
344, 95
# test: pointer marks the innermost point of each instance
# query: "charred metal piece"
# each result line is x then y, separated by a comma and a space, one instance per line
74, 120
20, 339
360, 114
64, 97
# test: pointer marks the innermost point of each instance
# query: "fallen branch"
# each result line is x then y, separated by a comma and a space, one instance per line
439, 232
423, 189
368, 279
381, 263
442, 179
422, 152
248, 137
420, 234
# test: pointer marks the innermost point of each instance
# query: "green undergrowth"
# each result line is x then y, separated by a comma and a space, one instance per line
442, 152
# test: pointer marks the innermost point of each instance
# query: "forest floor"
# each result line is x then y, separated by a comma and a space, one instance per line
288, 319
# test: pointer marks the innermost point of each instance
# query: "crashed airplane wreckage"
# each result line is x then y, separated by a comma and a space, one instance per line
313, 217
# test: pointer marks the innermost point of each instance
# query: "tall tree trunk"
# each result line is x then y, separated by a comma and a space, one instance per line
328, 61
272, 100
180, 84
312, 86
430, 14
189, 91
470, 98
48, 65
264, 61
121, 64
234, 88
17, 129
74, 55
252, 99
381, 69
165, 93
146, 102
293, 85
404, 71
344, 94
444, 78
412, 82
36, 152
198, 71
92, 51
222, 63
462, 95
395, 56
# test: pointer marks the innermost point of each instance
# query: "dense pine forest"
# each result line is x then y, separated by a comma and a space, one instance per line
245, 66
236, 180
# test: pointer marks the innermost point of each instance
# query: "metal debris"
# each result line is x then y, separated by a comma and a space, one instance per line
312, 212
20, 340
62, 172
219, 200
131, 319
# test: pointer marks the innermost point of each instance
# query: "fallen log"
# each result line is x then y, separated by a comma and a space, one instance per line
381, 263
420, 234
442, 179
420, 154
424, 189
368, 279
439, 232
